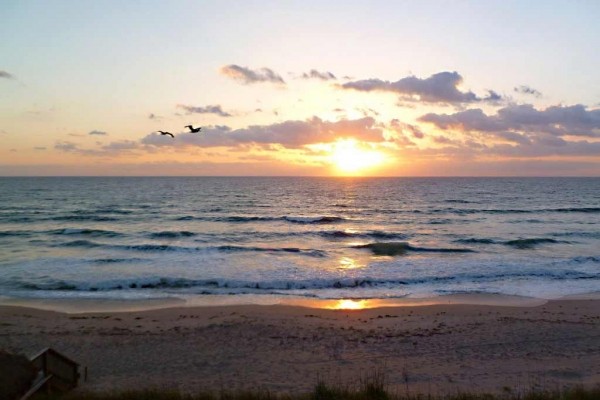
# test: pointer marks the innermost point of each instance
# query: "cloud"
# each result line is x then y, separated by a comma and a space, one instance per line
163, 168
574, 120
442, 139
314, 74
6, 75
121, 145
492, 97
438, 88
248, 76
205, 110
289, 134
66, 146
524, 89
406, 130
155, 117
552, 147
111, 149
99, 133
367, 111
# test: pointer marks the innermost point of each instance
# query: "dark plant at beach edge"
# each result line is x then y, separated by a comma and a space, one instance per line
372, 387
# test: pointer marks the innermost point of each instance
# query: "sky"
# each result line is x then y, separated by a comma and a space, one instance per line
304, 88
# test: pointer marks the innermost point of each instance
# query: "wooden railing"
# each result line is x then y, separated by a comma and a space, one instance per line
56, 372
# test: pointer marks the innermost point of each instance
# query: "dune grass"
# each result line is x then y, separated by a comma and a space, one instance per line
323, 392
372, 387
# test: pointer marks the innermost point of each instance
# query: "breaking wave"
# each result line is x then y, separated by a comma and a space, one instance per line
225, 286
400, 248
171, 234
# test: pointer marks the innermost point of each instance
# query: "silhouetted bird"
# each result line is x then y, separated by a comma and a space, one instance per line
166, 133
192, 129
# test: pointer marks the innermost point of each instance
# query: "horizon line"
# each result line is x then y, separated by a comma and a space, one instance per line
302, 176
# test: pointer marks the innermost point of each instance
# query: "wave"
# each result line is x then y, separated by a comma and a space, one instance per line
231, 218
103, 211
400, 248
81, 243
476, 241
117, 260
237, 218
93, 218
85, 231
171, 234
64, 231
314, 220
253, 218
465, 211
15, 233
139, 247
586, 259
440, 221
527, 243
227, 286
149, 247
578, 210
309, 252
337, 234
582, 234
17, 219
530, 243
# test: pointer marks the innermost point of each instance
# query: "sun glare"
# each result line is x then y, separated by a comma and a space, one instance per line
349, 158
349, 305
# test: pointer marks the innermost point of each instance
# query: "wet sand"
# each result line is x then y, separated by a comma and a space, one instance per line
433, 348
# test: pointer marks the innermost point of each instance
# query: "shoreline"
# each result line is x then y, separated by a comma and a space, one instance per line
442, 348
88, 305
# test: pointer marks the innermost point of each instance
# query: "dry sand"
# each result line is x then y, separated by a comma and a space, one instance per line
436, 349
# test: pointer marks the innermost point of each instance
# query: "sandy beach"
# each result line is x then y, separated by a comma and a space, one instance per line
435, 349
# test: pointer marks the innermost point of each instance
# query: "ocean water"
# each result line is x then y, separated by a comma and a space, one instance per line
328, 238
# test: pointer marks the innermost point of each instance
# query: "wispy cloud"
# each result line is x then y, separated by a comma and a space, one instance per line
155, 117
96, 132
66, 146
289, 134
314, 74
6, 75
524, 89
248, 76
121, 145
216, 109
438, 88
407, 129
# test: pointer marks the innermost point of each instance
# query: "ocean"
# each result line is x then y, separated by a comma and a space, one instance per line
318, 238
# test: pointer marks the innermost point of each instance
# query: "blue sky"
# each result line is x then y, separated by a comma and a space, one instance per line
75, 67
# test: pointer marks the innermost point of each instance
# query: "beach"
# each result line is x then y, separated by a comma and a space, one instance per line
437, 349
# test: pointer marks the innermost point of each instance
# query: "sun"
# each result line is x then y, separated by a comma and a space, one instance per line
349, 158
349, 304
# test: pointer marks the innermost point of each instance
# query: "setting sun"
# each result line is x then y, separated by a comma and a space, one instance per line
349, 305
349, 158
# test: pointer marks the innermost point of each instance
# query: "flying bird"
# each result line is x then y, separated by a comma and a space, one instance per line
166, 133
192, 129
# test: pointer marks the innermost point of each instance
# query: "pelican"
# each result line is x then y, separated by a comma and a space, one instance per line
192, 129
166, 133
